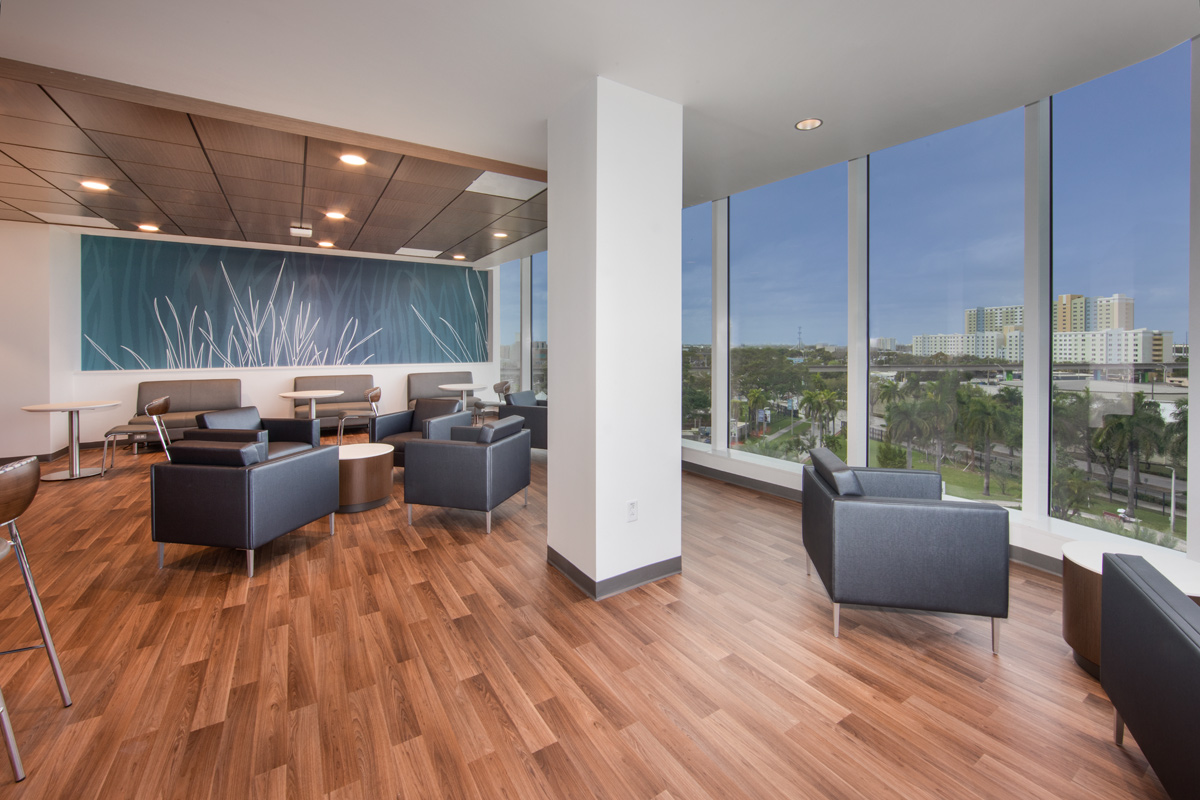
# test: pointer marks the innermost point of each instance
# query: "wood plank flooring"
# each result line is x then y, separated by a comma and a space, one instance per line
435, 661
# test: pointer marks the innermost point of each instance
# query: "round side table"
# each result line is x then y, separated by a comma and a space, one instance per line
364, 476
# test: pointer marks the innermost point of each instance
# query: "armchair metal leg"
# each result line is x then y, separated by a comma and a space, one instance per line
160, 555
1118, 728
526, 495
249, 563
995, 636
331, 524
10, 741
40, 615
341, 427
807, 564
489, 522
837, 618
409, 513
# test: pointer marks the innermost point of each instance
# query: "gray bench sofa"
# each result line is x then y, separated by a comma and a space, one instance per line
189, 398
425, 385
1149, 660
354, 388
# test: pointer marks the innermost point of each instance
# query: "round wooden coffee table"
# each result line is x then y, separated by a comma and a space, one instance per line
364, 476
1082, 565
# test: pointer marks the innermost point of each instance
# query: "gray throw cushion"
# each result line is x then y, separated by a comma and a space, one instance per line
428, 408
835, 472
521, 399
218, 454
500, 429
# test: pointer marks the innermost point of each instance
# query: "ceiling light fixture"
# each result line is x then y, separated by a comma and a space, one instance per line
335, 215
350, 158
299, 232
148, 228
808, 124
97, 185
500, 235
459, 258
324, 244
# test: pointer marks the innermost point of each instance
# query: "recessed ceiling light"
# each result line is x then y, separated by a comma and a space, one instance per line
350, 158
97, 185
500, 235
324, 244
335, 215
148, 228
459, 258
808, 124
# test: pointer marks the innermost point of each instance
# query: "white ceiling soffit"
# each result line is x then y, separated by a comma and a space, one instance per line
481, 77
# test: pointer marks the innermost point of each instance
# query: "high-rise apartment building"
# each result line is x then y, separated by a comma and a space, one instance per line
1075, 312
992, 318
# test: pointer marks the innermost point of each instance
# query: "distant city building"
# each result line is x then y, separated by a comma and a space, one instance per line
884, 343
1180, 350
1114, 346
992, 318
1075, 312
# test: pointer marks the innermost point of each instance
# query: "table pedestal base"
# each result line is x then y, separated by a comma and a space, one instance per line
65, 475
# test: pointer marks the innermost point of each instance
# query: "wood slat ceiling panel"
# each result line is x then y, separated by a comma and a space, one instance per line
68, 163
340, 232
134, 217
27, 100
195, 223
70, 183
164, 227
214, 233
391, 212
46, 135
327, 155
534, 208
255, 168
71, 209
486, 203
16, 215
338, 180
270, 238
174, 194
355, 206
516, 225
257, 206
24, 191
248, 140
440, 236
18, 174
420, 193
474, 220
197, 212
5, 161
131, 119
483, 242
100, 202
261, 190
435, 173
165, 176
148, 151
265, 223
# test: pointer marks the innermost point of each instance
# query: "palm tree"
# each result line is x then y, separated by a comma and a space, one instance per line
887, 393
1176, 444
831, 404
1141, 433
987, 419
755, 399
814, 408
906, 422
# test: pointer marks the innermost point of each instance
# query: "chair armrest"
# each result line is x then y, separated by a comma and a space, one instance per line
225, 435
291, 491
542, 403
440, 427
913, 484
465, 434
282, 429
936, 556
389, 425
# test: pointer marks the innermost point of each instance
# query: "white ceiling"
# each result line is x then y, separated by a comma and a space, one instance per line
482, 76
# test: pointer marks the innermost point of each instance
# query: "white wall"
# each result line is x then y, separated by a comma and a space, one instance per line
40, 352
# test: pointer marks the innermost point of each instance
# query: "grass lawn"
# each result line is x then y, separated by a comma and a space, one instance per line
969, 484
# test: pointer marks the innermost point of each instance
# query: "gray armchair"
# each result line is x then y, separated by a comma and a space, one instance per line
228, 494
478, 469
428, 419
283, 436
526, 404
884, 537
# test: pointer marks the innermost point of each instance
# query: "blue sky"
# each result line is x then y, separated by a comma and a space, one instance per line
947, 217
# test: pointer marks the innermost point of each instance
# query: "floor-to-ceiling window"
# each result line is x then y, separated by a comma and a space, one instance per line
1120, 156
946, 307
508, 305
696, 411
787, 315
538, 305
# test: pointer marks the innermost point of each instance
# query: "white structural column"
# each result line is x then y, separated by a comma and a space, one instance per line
857, 335
615, 318
1035, 443
720, 326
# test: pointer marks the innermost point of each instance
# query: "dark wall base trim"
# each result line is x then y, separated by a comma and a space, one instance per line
1034, 559
786, 492
598, 590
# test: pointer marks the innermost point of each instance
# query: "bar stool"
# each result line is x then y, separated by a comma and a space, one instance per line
18, 485
372, 396
140, 432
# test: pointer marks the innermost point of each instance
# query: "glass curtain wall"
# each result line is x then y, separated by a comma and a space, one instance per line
787, 316
1120, 167
946, 313
696, 412
538, 327
508, 305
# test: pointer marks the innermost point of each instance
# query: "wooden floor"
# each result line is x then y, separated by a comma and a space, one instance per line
435, 661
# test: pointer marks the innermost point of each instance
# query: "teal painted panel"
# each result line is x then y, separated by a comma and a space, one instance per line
173, 305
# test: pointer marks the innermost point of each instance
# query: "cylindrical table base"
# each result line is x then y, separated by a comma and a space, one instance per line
364, 482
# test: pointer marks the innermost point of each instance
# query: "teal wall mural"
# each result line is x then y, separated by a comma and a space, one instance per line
172, 305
